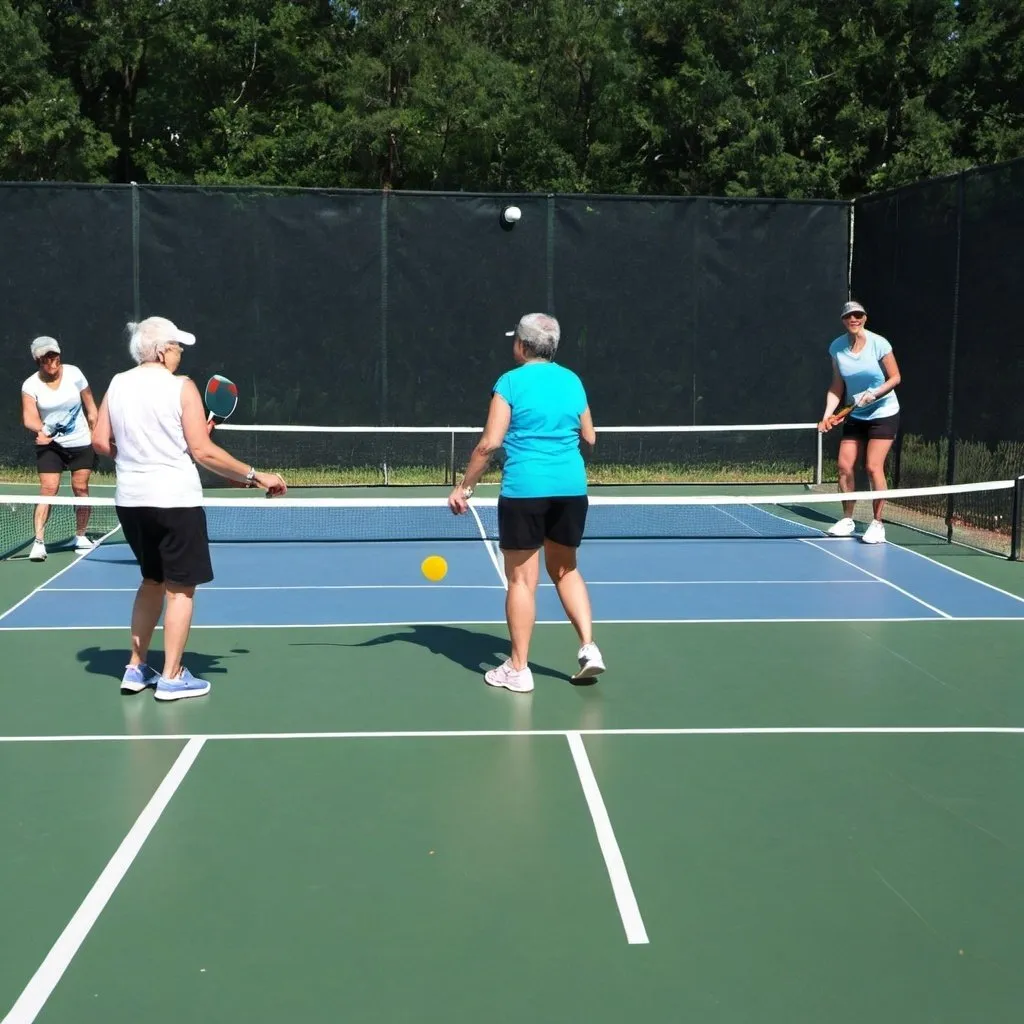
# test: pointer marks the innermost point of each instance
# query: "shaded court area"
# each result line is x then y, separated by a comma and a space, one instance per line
792, 796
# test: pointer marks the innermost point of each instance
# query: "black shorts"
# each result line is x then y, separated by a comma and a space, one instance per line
525, 523
55, 458
171, 545
884, 428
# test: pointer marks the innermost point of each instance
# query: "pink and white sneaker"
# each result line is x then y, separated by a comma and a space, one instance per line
517, 680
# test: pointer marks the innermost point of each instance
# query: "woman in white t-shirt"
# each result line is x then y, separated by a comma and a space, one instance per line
152, 422
58, 408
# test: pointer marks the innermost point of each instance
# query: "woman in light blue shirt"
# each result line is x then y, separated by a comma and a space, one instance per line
539, 413
864, 368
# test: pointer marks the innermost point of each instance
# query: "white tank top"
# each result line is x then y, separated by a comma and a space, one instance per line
154, 467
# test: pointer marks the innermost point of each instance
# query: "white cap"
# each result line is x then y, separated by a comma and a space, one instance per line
511, 214
156, 329
43, 344
852, 307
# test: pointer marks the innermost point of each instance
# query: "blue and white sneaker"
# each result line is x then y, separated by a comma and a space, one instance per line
138, 678
186, 685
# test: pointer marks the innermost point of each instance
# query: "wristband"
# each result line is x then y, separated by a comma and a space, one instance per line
250, 477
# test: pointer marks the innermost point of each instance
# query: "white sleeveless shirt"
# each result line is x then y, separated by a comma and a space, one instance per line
153, 465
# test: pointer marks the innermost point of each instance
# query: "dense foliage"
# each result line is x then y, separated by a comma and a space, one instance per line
823, 98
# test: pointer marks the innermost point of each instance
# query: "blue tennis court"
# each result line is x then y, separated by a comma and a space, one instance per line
804, 578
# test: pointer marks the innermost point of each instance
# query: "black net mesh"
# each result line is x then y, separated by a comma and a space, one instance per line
312, 457
283, 290
667, 306
982, 513
904, 271
67, 272
988, 413
770, 277
624, 293
456, 282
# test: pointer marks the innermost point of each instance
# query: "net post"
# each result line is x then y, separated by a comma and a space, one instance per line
819, 458
1015, 514
450, 468
897, 459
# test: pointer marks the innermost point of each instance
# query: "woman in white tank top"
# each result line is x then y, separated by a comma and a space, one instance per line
152, 422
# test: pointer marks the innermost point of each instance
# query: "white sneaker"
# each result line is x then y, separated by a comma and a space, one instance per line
591, 662
83, 544
874, 534
38, 552
844, 528
519, 681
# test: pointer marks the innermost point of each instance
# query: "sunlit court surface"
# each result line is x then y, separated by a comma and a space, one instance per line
794, 795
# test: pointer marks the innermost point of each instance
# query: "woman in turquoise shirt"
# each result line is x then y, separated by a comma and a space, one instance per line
864, 368
539, 413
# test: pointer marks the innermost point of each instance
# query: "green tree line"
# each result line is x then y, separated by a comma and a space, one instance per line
796, 98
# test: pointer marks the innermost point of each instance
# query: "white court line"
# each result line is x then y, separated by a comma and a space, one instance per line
492, 549
57, 574
446, 734
958, 572
485, 586
847, 621
347, 586
629, 910
881, 579
45, 980
746, 526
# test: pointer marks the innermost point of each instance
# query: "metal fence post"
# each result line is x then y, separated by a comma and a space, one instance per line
950, 403
1018, 504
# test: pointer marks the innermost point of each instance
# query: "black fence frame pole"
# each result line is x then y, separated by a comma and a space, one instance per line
1018, 503
384, 210
951, 397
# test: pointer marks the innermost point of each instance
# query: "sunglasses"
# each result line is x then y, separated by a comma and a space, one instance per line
855, 316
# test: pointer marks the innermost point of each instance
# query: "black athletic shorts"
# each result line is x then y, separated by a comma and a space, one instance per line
885, 427
525, 523
55, 458
171, 545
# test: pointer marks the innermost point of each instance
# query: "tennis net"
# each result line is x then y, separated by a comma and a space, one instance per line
332, 456
984, 515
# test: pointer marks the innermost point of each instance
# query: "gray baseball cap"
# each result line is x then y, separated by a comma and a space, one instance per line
853, 307
536, 327
43, 344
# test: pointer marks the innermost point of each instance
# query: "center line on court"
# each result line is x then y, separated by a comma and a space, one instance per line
629, 910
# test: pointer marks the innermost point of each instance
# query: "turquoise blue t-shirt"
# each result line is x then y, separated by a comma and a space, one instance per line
863, 371
542, 446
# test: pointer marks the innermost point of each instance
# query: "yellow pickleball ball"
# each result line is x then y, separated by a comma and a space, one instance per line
434, 567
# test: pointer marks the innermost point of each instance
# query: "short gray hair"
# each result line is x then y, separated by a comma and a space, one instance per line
539, 334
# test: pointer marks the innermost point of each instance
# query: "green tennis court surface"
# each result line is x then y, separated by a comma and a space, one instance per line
771, 821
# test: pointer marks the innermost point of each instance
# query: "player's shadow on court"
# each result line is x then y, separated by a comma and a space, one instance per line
814, 516
110, 663
475, 652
